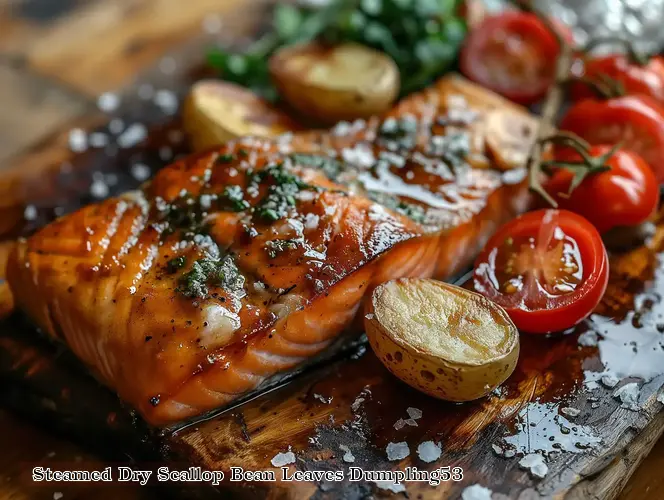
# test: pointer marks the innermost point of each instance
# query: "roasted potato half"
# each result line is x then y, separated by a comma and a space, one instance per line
443, 340
215, 112
329, 84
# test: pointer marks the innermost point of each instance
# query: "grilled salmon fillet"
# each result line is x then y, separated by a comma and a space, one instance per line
234, 265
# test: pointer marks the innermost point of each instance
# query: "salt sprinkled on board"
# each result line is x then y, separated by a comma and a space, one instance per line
115, 126
399, 424
628, 395
348, 456
397, 451
390, 486
108, 102
534, 462
610, 380
167, 101
145, 91
660, 397
134, 134
410, 422
497, 449
570, 412
140, 171
281, 459
414, 412
99, 189
30, 212
323, 399
98, 139
476, 492
58, 495
588, 339
428, 451
78, 140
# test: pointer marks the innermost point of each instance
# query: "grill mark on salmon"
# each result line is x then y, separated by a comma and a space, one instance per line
231, 266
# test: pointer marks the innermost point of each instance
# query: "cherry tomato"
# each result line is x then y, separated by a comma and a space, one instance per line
512, 53
547, 268
625, 195
646, 79
635, 121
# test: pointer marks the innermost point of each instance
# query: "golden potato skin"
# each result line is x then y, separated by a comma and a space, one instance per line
432, 372
330, 84
215, 112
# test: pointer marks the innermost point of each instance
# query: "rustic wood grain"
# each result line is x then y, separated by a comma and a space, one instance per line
125, 42
101, 45
35, 109
25, 446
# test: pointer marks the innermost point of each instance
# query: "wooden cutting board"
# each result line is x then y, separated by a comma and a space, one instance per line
346, 404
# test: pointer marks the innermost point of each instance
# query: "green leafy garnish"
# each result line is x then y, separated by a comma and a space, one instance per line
232, 199
329, 166
422, 36
211, 272
176, 263
280, 197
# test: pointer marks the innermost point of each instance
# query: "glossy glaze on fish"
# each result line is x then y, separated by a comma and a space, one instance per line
235, 265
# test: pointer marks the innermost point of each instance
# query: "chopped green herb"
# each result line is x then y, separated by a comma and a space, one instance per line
243, 152
280, 197
176, 263
224, 158
233, 199
211, 272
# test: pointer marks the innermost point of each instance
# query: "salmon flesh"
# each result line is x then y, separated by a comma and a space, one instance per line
232, 266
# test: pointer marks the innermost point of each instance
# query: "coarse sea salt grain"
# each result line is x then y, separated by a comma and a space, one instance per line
108, 102
628, 395
588, 339
660, 397
140, 171
30, 212
167, 101
476, 492
411, 422
348, 455
281, 459
58, 495
414, 412
78, 140
397, 451
133, 135
534, 462
391, 486
399, 424
610, 380
97, 139
115, 126
99, 189
570, 412
428, 451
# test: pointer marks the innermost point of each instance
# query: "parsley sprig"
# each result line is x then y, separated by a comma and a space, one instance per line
422, 36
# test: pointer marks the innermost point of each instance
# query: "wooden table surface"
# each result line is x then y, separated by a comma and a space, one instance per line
56, 58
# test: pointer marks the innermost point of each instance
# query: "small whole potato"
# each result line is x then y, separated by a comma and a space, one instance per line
333, 83
216, 111
441, 339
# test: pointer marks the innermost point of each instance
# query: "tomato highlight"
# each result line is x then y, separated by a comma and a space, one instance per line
512, 54
548, 269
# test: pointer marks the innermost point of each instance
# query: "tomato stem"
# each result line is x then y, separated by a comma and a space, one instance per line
636, 57
603, 85
552, 103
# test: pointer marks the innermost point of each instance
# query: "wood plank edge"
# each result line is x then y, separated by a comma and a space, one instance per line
633, 448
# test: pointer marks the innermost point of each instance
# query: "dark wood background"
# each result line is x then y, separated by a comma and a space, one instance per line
56, 58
